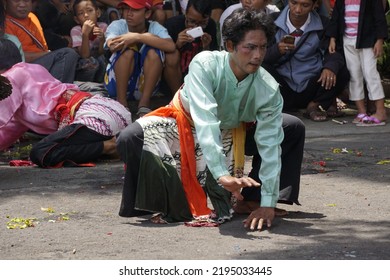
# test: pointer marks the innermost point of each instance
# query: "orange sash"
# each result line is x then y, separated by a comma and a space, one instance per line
195, 195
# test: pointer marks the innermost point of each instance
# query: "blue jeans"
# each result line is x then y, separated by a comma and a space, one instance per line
60, 63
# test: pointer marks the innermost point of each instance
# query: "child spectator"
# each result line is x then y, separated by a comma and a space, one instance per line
363, 44
22, 23
88, 39
138, 47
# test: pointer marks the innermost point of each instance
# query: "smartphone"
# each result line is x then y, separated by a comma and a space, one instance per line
288, 39
195, 32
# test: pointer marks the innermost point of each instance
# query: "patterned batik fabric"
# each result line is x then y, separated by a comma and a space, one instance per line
159, 185
103, 115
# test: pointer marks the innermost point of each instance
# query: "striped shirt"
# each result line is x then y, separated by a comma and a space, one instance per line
104, 115
94, 42
352, 8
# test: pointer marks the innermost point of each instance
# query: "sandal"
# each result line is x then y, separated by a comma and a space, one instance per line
371, 121
359, 118
316, 115
142, 111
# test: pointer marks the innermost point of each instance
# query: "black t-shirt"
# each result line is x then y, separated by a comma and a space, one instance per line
175, 25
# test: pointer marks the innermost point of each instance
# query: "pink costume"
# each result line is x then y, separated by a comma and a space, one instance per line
35, 94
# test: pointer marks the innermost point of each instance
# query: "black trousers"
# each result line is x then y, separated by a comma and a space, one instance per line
72, 145
292, 156
129, 145
313, 92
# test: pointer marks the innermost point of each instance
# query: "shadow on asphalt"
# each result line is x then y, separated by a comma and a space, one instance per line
341, 239
289, 226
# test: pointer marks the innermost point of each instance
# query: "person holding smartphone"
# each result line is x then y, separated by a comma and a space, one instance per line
185, 31
310, 77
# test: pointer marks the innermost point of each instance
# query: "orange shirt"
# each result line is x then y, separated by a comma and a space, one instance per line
32, 24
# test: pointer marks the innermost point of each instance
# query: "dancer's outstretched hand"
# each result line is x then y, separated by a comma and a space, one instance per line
234, 185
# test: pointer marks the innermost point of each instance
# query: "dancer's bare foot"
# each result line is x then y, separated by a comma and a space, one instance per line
157, 219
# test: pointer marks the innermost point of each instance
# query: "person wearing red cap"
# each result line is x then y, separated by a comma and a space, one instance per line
197, 14
138, 49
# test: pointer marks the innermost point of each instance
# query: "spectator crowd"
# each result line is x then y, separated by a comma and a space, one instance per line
74, 40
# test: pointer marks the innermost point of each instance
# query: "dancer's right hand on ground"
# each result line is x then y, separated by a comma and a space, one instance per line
259, 217
234, 185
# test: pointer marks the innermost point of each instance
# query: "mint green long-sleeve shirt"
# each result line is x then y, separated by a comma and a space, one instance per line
216, 100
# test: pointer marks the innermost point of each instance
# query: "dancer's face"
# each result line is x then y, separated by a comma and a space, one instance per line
247, 56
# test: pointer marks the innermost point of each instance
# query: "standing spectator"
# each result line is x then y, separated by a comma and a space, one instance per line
138, 47
22, 23
363, 44
88, 39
